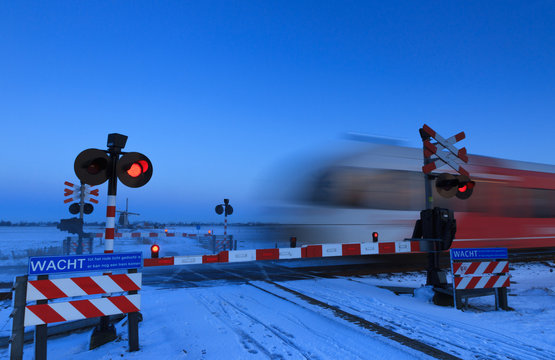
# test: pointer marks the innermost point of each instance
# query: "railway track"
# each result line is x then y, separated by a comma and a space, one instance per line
419, 331
436, 337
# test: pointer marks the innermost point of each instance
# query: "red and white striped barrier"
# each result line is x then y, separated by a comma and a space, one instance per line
81, 309
307, 251
50, 289
151, 235
481, 282
480, 267
81, 286
480, 274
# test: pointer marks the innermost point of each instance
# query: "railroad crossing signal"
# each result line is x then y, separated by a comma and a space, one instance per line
224, 207
92, 167
444, 150
74, 193
447, 185
80, 193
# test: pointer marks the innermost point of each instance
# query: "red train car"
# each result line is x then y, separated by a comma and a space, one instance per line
381, 189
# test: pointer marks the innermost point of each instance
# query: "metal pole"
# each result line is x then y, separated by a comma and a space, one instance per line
110, 219
81, 201
18, 328
41, 331
111, 208
133, 324
433, 256
105, 332
225, 228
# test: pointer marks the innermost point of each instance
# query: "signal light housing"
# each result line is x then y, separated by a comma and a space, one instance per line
74, 208
374, 236
465, 187
88, 208
91, 166
154, 251
449, 185
134, 169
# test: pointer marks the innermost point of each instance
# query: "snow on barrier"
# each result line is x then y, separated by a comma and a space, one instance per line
307, 251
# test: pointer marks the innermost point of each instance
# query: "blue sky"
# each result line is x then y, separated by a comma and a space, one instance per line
217, 94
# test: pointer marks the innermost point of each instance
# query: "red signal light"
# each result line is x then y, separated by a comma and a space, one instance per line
462, 188
375, 236
138, 168
134, 169
154, 250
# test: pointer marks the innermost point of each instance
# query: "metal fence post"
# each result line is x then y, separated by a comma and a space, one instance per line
503, 303
18, 314
41, 331
133, 323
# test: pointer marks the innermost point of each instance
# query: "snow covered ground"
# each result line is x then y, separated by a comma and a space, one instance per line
244, 322
259, 320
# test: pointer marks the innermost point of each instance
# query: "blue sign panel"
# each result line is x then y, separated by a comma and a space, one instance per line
46, 265
480, 253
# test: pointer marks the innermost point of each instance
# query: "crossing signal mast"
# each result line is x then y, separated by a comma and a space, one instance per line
447, 185
94, 167
437, 226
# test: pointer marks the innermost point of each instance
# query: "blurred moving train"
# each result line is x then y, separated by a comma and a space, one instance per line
381, 189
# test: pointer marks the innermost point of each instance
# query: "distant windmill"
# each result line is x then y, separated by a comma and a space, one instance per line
123, 221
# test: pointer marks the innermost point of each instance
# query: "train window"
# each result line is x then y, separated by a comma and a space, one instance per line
369, 188
514, 202
542, 202
525, 202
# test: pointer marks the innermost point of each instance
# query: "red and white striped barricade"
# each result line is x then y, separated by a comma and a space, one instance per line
33, 305
306, 251
480, 272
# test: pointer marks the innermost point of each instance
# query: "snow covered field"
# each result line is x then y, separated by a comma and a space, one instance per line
259, 320
17, 244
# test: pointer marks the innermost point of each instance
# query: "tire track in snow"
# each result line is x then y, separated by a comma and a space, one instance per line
469, 341
378, 329
508, 347
217, 308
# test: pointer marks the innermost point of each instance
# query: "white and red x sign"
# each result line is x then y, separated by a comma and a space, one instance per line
445, 151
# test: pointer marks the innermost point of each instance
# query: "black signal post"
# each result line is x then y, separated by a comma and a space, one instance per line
94, 167
225, 209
